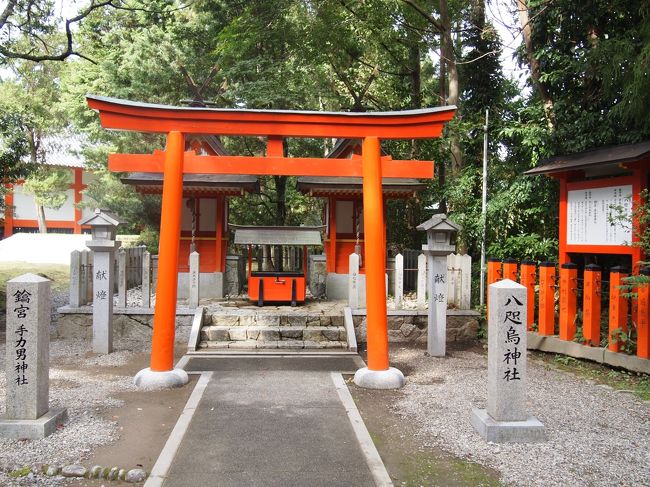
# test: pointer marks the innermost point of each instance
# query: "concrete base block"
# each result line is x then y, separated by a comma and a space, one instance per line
148, 379
210, 285
32, 429
379, 379
529, 431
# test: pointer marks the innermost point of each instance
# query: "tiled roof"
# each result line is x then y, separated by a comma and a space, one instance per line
618, 154
63, 149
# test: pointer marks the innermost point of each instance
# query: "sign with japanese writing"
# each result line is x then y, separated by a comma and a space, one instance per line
592, 216
507, 351
27, 346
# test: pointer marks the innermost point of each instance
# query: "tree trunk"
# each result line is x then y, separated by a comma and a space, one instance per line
33, 158
533, 62
40, 217
453, 86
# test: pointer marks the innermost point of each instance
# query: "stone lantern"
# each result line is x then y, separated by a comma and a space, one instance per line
441, 241
103, 227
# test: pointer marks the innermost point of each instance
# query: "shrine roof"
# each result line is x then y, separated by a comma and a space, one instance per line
63, 150
259, 235
237, 181
617, 154
337, 184
137, 104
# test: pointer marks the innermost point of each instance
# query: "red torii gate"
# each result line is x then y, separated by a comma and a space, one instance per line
275, 125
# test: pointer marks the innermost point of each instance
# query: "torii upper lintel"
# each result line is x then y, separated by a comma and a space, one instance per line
119, 114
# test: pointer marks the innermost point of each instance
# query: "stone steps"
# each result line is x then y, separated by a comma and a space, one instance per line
272, 344
217, 333
270, 320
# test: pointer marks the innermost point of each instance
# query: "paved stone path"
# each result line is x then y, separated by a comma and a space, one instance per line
261, 427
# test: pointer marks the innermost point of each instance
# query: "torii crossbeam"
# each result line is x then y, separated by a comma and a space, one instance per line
275, 125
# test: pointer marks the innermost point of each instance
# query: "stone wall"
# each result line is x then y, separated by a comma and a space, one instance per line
412, 327
131, 325
233, 284
317, 272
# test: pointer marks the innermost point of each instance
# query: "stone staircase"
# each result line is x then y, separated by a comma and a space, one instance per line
271, 328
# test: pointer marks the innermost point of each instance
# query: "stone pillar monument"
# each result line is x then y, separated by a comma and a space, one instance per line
353, 283
506, 418
441, 241
194, 292
27, 362
103, 229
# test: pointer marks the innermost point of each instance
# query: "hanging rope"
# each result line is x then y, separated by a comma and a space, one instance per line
191, 204
357, 246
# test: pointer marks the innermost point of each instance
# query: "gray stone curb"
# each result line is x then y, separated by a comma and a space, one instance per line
600, 355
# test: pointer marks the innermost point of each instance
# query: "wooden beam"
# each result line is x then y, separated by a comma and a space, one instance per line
144, 117
267, 166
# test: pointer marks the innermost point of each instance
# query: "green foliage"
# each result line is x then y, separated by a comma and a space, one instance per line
48, 185
594, 67
21, 472
624, 338
149, 237
14, 147
106, 191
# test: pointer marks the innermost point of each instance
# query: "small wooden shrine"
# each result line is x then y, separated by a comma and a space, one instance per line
591, 184
279, 285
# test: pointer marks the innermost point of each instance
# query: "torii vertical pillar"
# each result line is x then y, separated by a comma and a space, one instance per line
162, 374
378, 374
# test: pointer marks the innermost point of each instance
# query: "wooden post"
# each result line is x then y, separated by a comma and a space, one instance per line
494, 273
399, 281
568, 300
591, 307
9, 211
77, 188
510, 269
75, 279
331, 258
422, 281
643, 317
618, 307
146, 279
164, 325
546, 321
375, 261
528, 273
122, 278
465, 281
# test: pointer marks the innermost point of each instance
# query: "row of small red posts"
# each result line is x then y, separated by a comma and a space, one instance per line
591, 306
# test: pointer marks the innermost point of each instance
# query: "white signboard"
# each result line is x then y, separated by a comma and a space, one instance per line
589, 214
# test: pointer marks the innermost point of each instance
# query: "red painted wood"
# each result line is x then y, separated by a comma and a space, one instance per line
121, 114
546, 320
568, 300
618, 307
591, 307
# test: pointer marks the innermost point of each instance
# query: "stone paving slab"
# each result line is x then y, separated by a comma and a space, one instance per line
344, 364
269, 427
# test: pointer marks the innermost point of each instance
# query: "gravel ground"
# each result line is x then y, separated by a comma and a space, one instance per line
596, 436
85, 394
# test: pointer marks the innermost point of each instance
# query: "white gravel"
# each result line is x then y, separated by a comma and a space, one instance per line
86, 394
596, 436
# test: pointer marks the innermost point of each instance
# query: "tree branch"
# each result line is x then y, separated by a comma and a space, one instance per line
6, 13
430, 18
